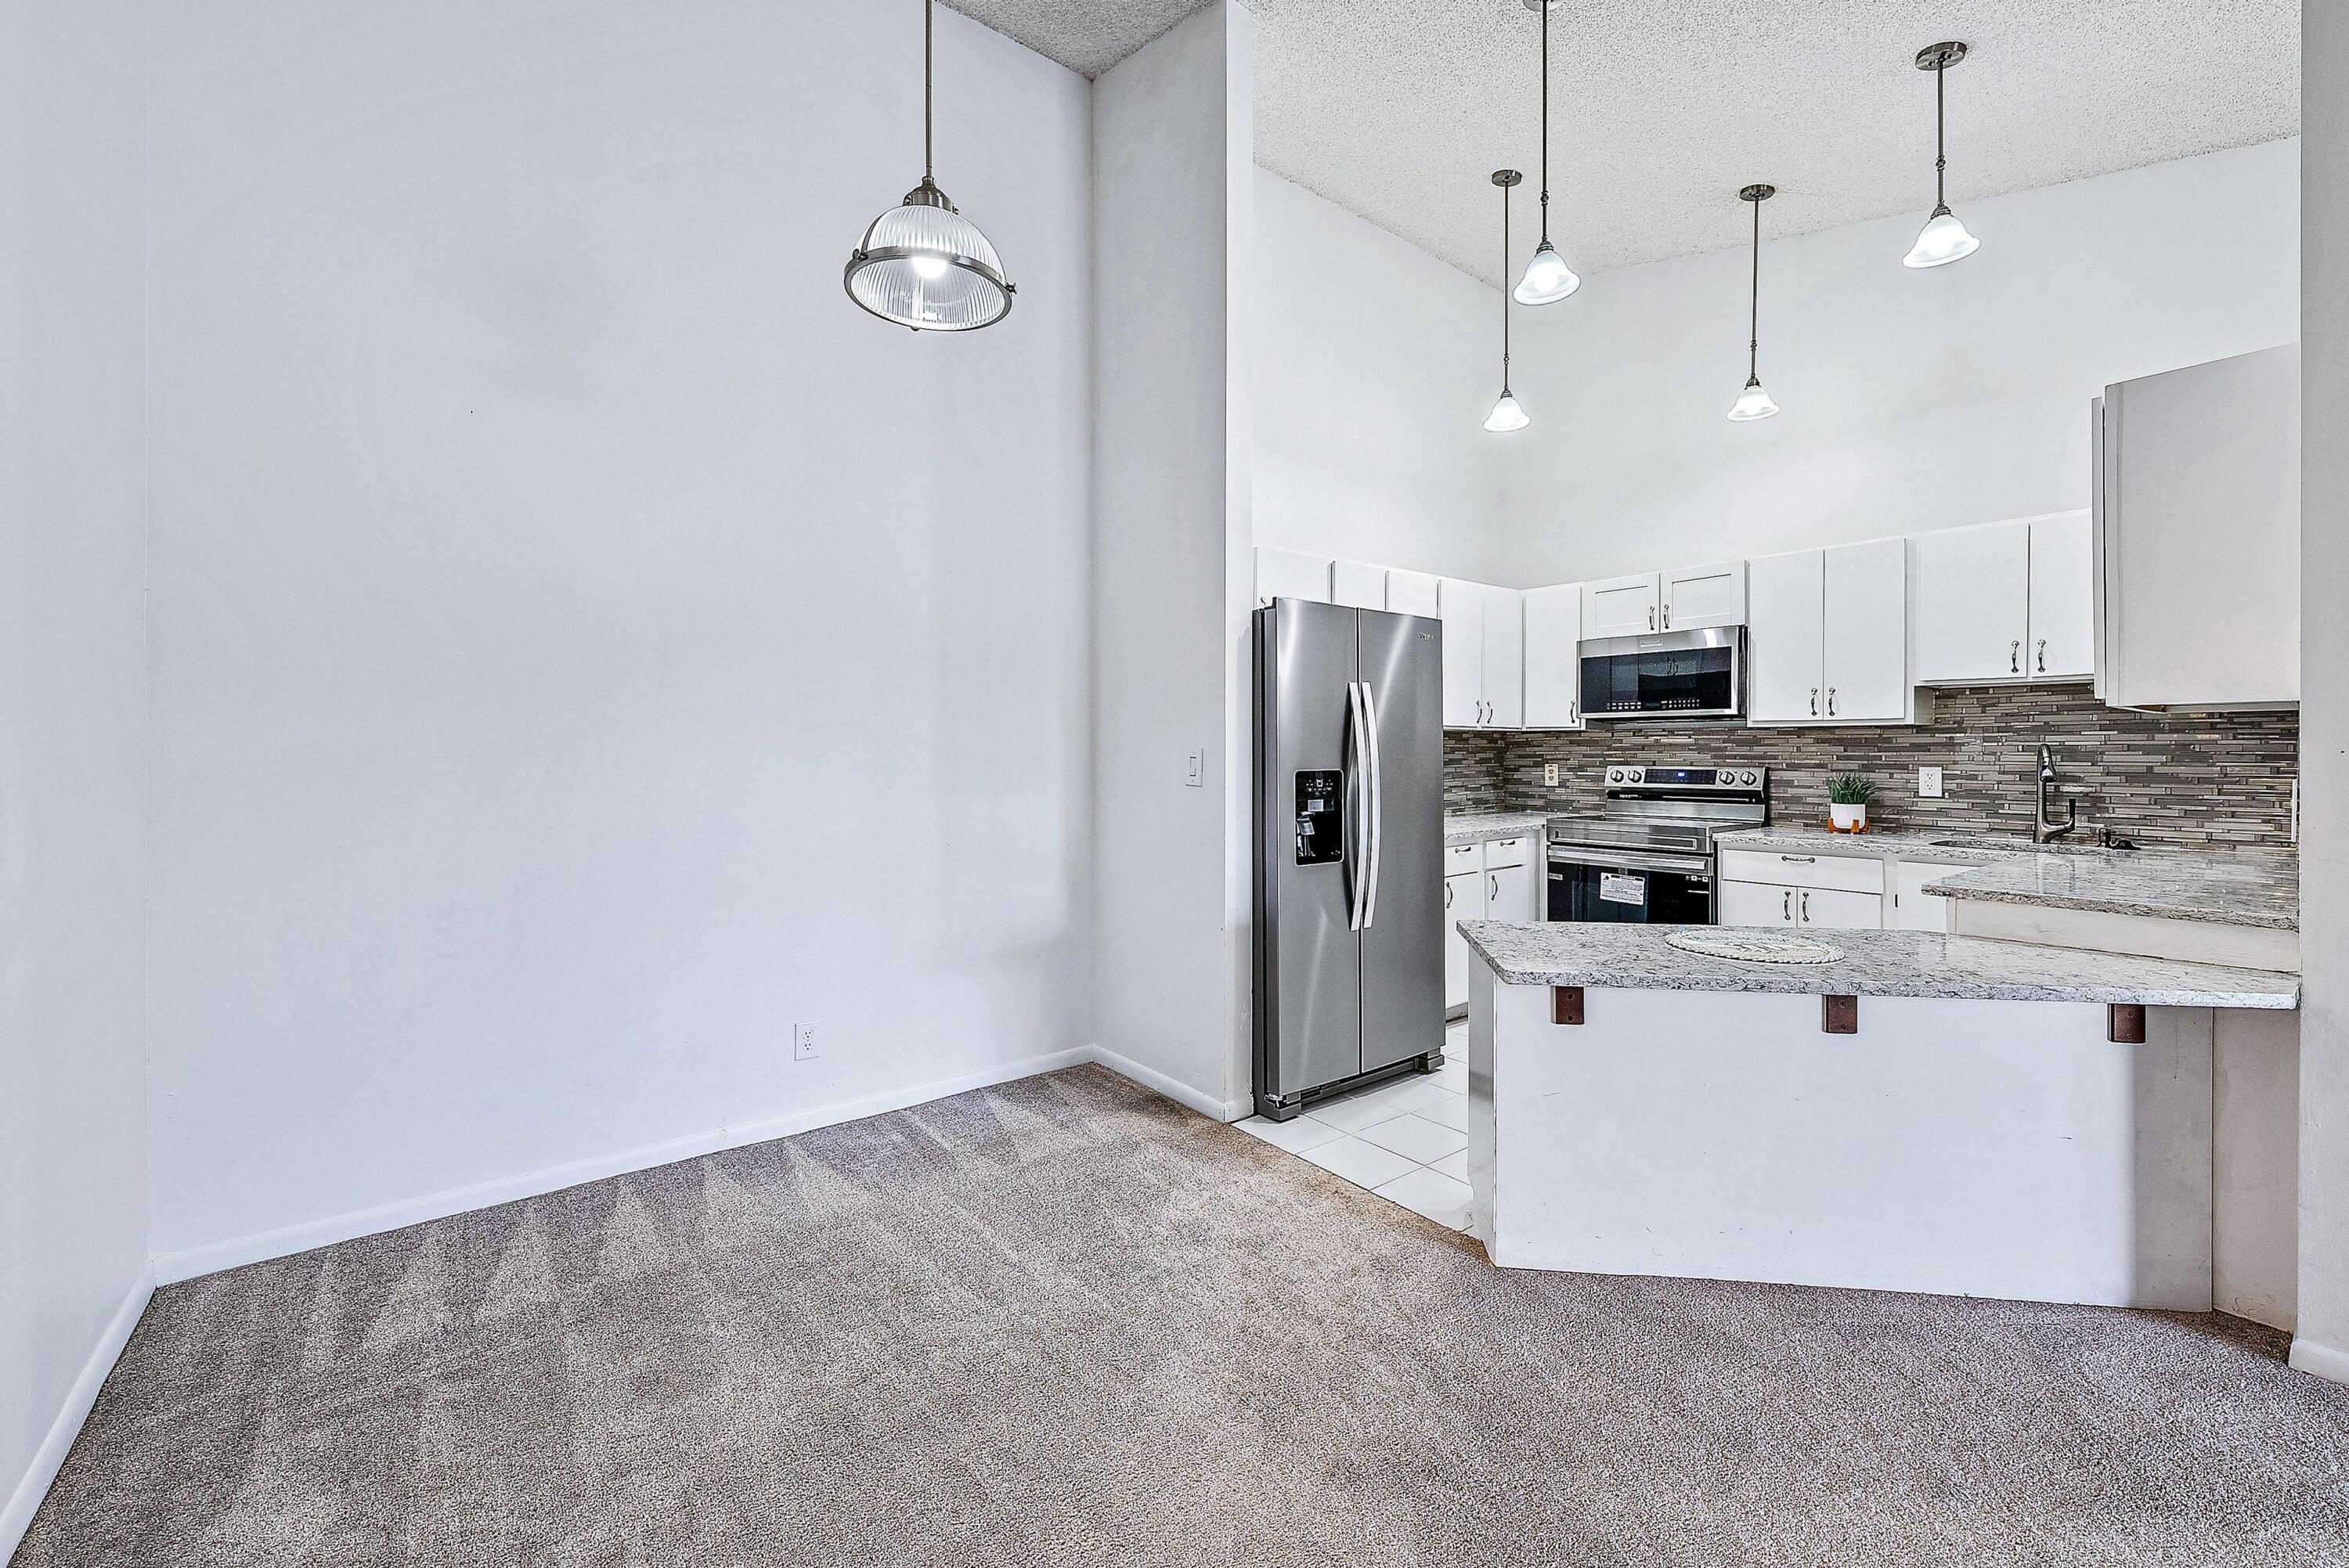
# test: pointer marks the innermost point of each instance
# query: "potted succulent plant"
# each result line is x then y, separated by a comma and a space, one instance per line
1849, 795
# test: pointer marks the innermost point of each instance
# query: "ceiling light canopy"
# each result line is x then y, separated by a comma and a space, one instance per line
922, 264
1754, 403
1507, 413
1943, 239
1547, 278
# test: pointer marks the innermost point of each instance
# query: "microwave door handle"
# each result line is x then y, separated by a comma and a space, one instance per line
1377, 815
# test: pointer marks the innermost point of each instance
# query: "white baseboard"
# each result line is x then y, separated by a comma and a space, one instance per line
2320, 1360
1173, 1088
18, 1517
236, 1251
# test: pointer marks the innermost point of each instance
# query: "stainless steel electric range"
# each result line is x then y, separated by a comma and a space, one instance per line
1648, 857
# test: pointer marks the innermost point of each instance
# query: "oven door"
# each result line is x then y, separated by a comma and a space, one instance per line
1629, 888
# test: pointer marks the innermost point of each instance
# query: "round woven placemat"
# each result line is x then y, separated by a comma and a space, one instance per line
1753, 947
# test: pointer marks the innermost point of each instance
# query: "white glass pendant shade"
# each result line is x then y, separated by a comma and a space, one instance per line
924, 265
1752, 402
1547, 278
1943, 240
1507, 415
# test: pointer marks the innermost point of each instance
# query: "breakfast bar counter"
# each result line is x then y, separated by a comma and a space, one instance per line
1922, 1112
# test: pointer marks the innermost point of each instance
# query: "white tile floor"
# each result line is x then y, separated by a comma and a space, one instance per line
1406, 1140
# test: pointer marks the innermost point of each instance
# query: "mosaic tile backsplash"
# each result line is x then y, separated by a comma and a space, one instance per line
2199, 780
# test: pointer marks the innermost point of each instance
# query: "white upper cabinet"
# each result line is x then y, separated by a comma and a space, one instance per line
2063, 597
1286, 574
1414, 593
1484, 655
1786, 641
1358, 584
2197, 535
1698, 597
1623, 606
1505, 658
1828, 637
1973, 602
1866, 662
1553, 658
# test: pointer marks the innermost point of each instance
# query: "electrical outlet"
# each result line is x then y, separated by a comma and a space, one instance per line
1549, 773
1929, 783
803, 1047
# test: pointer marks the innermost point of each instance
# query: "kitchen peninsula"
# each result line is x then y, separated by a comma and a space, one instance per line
1927, 1112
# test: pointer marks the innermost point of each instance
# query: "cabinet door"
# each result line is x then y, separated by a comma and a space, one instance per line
1358, 584
2063, 597
1973, 602
1831, 910
1509, 893
1286, 574
1553, 666
1621, 606
1914, 908
1752, 903
1866, 641
1698, 596
1464, 898
1462, 605
1785, 646
1413, 592
1505, 658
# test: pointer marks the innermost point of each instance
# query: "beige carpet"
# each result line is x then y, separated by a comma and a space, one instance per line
1065, 1322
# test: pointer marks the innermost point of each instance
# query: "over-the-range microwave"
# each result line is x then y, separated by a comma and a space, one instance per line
1665, 675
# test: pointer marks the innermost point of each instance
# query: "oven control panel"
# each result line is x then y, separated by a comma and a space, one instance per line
1620, 777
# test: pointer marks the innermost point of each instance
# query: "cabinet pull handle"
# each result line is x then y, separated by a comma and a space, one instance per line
1806, 906
2014, 657
1447, 893
1491, 887
2042, 655
1799, 860
1652, 617
1815, 702
1668, 617
1830, 702
1787, 906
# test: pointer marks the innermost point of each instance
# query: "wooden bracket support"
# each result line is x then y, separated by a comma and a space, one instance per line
1566, 1004
1839, 1014
2124, 1023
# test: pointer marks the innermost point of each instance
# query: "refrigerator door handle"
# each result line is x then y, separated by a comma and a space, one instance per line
1370, 877
1358, 780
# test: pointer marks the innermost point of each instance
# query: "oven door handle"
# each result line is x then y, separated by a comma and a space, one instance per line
1698, 869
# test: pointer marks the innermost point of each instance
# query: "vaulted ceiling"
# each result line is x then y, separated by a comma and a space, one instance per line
1400, 109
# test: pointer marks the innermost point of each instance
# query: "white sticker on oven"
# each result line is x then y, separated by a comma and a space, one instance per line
1614, 887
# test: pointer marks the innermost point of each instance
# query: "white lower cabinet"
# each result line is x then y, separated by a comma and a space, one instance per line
1756, 903
1464, 898
1492, 880
1914, 908
1821, 892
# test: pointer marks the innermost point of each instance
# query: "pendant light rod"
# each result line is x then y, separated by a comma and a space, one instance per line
1754, 195
1938, 58
929, 14
1506, 179
1545, 128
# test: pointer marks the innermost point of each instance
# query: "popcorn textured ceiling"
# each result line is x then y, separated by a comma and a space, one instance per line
1400, 109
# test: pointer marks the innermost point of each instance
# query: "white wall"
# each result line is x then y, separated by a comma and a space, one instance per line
1911, 400
1375, 365
585, 645
73, 1160
1172, 161
2322, 1345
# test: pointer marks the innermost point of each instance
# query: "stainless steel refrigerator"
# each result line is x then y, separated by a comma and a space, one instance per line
1348, 849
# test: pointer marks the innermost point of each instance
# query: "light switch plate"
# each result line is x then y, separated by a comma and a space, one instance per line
1196, 770
1549, 773
1929, 783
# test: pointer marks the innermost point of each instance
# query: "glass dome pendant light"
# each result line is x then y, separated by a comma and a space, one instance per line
1943, 239
1507, 414
1547, 278
922, 265
1755, 403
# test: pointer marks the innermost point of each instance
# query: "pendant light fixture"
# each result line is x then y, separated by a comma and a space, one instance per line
1754, 403
1943, 239
1506, 415
1547, 278
922, 264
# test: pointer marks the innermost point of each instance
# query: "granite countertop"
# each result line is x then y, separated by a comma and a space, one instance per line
1870, 845
1475, 829
2217, 888
1875, 963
